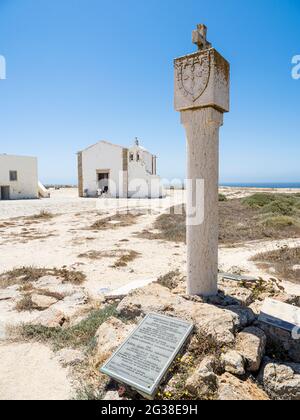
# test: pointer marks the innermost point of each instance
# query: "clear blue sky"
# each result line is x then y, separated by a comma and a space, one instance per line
79, 71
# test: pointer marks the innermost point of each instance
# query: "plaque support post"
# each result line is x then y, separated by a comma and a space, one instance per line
202, 96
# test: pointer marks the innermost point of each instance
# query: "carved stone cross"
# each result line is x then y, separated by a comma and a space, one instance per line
202, 82
199, 38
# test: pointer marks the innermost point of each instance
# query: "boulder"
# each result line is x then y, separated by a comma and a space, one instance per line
283, 340
232, 291
208, 319
245, 315
233, 389
42, 302
50, 318
208, 365
46, 281
233, 363
256, 307
110, 336
203, 382
69, 357
251, 344
78, 298
55, 285
8, 294
152, 298
281, 380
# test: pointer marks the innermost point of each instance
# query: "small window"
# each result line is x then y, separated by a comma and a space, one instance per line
138, 157
13, 175
131, 157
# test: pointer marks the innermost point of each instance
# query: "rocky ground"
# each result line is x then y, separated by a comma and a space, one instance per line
68, 298
231, 355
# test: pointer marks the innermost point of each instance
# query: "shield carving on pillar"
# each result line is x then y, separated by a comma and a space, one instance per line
193, 74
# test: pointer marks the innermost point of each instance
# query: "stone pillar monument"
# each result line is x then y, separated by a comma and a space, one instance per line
202, 96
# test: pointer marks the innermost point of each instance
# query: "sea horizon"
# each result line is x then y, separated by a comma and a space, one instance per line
290, 185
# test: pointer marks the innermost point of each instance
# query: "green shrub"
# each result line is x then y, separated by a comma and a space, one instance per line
222, 197
280, 207
259, 200
280, 222
274, 204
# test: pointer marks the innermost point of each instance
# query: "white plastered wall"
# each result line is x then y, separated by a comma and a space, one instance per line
101, 157
142, 182
26, 186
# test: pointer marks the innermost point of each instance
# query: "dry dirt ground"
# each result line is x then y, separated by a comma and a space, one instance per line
29, 372
109, 253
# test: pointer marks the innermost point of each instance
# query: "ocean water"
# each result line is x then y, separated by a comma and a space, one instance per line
262, 184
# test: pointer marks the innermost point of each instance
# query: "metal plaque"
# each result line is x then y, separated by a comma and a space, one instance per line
145, 357
280, 315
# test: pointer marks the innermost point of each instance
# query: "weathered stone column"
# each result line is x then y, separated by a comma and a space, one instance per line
202, 96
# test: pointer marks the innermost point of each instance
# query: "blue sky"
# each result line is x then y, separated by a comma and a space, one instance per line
79, 71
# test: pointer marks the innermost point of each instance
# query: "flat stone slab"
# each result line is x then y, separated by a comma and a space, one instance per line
145, 357
125, 290
280, 315
236, 277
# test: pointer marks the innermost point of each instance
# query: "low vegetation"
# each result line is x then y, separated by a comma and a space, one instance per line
260, 216
92, 255
174, 386
89, 393
222, 197
170, 226
81, 335
4, 225
124, 256
285, 261
171, 280
32, 274
25, 304
43, 215
125, 259
114, 222
278, 210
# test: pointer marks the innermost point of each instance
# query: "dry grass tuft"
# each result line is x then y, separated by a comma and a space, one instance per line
25, 304
117, 221
124, 256
125, 259
43, 215
73, 277
26, 275
285, 261
92, 255
170, 226
171, 280
48, 293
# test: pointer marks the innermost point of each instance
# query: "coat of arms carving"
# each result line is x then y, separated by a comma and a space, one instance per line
193, 74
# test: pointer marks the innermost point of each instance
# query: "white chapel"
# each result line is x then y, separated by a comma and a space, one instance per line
109, 170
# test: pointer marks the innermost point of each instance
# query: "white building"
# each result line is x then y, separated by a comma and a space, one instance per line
18, 177
120, 172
